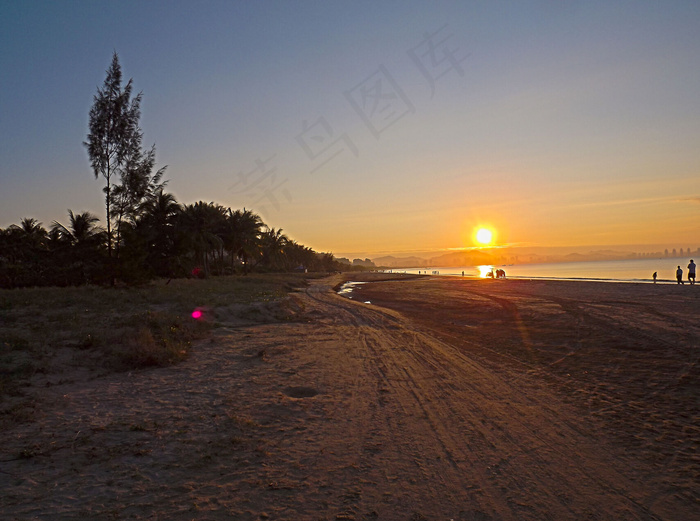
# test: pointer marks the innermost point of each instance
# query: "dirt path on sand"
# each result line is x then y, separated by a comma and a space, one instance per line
348, 411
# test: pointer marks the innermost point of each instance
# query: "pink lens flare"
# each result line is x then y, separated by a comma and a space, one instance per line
196, 314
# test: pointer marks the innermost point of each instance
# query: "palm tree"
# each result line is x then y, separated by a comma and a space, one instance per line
160, 208
272, 244
218, 216
157, 227
138, 188
11, 244
297, 255
77, 249
82, 231
54, 239
33, 232
158, 215
29, 225
242, 236
26, 241
328, 262
196, 225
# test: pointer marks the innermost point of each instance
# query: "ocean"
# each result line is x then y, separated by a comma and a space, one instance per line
632, 270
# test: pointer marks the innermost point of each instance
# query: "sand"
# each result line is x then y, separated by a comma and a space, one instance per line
443, 399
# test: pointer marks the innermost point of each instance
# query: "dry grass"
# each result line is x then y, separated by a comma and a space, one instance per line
48, 333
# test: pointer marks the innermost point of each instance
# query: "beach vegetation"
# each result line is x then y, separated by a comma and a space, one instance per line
163, 240
51, 336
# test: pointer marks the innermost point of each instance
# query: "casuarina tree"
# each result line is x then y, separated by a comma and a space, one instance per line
113, 133
114, 146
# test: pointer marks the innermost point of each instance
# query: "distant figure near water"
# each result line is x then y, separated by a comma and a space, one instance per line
679, 275
654, 277
691, 272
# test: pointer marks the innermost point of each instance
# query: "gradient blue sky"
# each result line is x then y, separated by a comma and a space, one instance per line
557, 123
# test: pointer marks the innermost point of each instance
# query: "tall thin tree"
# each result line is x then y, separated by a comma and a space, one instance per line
114, 136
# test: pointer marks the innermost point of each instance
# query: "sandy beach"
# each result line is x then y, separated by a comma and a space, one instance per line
440, 399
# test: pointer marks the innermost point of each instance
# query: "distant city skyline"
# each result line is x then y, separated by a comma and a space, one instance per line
373, 128
527, 255
614, 251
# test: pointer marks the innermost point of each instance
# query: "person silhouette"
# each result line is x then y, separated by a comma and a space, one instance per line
691, 272
654, 277
679, 275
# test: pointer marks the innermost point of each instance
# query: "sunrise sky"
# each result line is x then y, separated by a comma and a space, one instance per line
373, 127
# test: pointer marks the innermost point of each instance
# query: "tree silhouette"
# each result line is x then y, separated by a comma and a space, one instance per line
196, 228
242, 236
157, 227
82, 231
114, 137
24, 242
114, 146
272, 243
162, 238
33, 233
138, 186
148, 233
78, 249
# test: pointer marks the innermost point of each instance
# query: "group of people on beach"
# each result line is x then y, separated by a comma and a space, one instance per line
679, 274
498, 274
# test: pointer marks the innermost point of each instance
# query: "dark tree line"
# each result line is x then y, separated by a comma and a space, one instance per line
147, 233
162, 239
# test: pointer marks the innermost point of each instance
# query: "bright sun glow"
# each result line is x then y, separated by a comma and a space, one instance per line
484, 236
485, 271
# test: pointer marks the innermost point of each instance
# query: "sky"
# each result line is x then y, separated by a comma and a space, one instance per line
366, 128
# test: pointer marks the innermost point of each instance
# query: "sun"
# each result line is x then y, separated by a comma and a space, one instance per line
484, 236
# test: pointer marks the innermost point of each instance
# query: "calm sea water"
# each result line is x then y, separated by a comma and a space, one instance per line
637, 270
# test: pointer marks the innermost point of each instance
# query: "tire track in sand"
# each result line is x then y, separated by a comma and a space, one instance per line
521, 454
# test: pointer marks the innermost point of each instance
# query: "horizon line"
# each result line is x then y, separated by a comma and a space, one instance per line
444, 251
